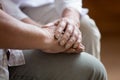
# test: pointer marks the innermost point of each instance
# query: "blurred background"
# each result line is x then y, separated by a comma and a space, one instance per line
106, 14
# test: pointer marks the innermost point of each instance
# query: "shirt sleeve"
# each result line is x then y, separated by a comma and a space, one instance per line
13, 9
62, 4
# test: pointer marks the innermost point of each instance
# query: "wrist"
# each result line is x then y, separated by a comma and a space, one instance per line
45, 40
72, 15
42, 40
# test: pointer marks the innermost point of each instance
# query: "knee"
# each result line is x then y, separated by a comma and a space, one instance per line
69, 67
93, 67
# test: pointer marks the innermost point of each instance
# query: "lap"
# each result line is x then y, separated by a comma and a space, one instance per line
40, 66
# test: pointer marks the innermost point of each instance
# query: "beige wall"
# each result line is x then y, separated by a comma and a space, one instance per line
106, 13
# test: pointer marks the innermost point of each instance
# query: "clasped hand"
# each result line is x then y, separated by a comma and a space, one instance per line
63, 35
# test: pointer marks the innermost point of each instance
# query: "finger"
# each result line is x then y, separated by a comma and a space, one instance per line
81, 47
79, 40
72, 40
71, 51
54, 23
51, 24
66, 36
60, 28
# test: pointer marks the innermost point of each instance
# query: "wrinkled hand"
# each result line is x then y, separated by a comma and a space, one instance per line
53, 44
68, 34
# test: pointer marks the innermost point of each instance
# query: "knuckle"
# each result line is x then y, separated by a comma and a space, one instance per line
69, 30
62, 24
62, 42
66, 36
70, 26
58, 31
75, 36
72, 40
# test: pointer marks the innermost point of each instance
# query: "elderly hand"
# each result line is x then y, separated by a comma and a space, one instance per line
68, 34
52, 45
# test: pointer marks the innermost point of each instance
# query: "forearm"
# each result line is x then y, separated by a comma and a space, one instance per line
15, 34
30, 21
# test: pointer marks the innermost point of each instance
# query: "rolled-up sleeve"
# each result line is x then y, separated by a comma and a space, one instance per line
62, 4
13, 9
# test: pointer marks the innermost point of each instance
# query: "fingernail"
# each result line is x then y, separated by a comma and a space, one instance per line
67, 46
62, 42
